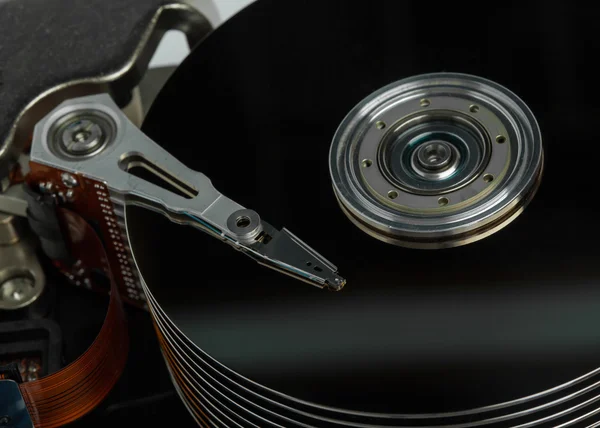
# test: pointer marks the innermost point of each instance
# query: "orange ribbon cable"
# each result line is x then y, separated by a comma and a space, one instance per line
70, 393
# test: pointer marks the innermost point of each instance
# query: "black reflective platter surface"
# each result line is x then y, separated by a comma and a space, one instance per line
255, 108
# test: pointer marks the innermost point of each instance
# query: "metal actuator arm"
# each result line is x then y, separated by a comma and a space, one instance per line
91, 137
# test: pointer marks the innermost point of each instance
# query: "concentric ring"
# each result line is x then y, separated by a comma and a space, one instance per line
384, 191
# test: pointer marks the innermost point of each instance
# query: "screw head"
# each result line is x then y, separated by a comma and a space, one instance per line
16, 289
68, 180
82, 137
82, 133
4, 421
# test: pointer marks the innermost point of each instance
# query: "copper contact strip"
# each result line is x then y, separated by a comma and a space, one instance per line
72, 392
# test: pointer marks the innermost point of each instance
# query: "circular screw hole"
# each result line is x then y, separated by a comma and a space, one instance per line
443, 202
425, 102
500, 139
367, 163
488, 178
380, 125
308, 264
392, 194
81, 136
242, 222
474, 108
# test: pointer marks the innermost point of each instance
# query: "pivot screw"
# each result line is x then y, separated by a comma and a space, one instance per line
81, 137
435, 155
82, 133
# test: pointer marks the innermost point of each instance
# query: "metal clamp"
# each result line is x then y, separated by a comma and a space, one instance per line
91, 137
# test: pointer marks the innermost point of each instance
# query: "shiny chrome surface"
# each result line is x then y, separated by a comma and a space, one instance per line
436, 160
82, 137
118, 146
22, 279
498, 334
10, 229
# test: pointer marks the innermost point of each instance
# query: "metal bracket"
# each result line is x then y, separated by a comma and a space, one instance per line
113, 50
91, 137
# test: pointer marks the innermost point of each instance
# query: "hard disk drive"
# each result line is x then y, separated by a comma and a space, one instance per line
410, 190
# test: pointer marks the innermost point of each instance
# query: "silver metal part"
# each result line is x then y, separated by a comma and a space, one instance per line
245, 225
13, 201
82, 137
191, 200
17, 290
81, 134
435, 155
436, 160
10, 229
22, 279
